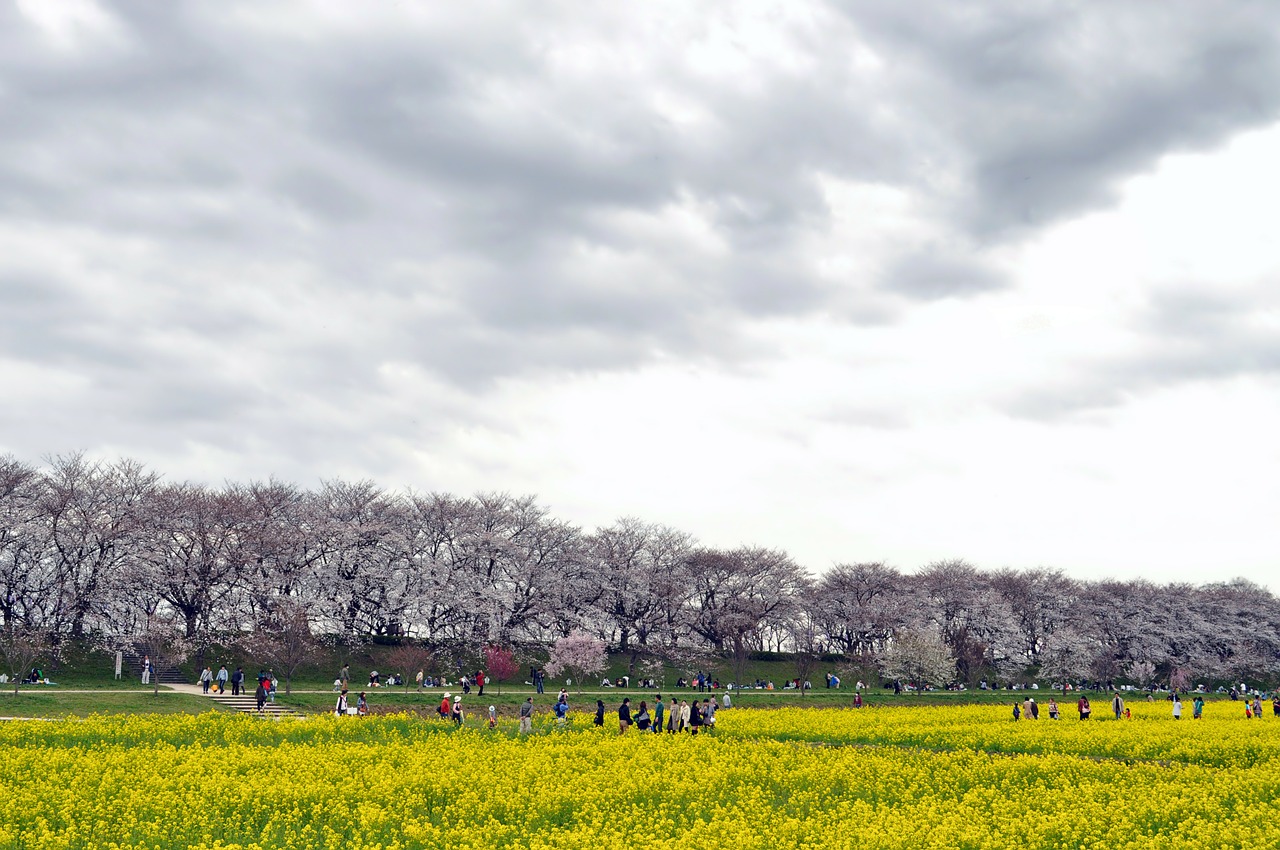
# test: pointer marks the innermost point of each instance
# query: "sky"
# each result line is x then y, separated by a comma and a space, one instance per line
863, 281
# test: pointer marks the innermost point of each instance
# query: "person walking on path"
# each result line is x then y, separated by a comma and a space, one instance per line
261, 695
659, 714
237, 682
222, 679
345, 674
362, 705
624, 716
340, 709
146, 669
526, 716
480, 681
206, 679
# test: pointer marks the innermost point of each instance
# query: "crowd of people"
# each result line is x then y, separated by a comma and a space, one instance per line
1029, 709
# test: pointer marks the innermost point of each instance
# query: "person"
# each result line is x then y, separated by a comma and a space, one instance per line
727, 702
480, 681
683, 723
539, 677
673, 718
493, 717
146, 669
562, 709
237, 682
457, 712
1257, 707
222, 679
562, 696
1017, 711
362, 705
272, 685
418, 680
446, 709
1026, 708
341, 708
659, 714
375, 678
261, 695
624, 716
1128, 715
466, 683
1082, 706
709, 713
695, 718
1197, 707
1053, 709
206, 679
526, 716
1117, 705
599, 721
345, 674
642, 717
1035, 709
1177, 707
857, 700
1275, 705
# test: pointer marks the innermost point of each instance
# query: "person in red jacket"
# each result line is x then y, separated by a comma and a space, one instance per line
445, 708
480, 681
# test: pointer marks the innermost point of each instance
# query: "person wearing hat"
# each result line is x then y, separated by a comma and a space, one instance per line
457, 712
445, 710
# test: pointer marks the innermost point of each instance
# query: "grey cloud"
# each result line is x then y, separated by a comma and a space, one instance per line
1043, 108
1189, 333
934, 272
247, 177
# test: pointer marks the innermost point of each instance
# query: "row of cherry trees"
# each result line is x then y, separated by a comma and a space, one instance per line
108, 549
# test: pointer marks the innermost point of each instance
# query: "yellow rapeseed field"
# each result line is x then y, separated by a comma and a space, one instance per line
964, 777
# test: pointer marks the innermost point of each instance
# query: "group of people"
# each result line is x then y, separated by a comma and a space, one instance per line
683, 715
1030, 709
342, 708
217, 682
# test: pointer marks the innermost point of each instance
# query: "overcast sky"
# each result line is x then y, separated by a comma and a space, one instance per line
858, 280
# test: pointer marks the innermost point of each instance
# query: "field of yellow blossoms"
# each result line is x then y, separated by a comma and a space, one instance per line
966, 777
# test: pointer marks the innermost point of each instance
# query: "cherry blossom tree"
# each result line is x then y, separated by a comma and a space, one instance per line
920, 657
578, 655
500, 663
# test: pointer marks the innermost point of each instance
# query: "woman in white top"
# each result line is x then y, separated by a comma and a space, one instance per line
1177, 708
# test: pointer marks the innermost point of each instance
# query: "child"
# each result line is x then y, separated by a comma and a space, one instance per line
493, 717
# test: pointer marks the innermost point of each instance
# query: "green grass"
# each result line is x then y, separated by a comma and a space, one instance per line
31, 702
